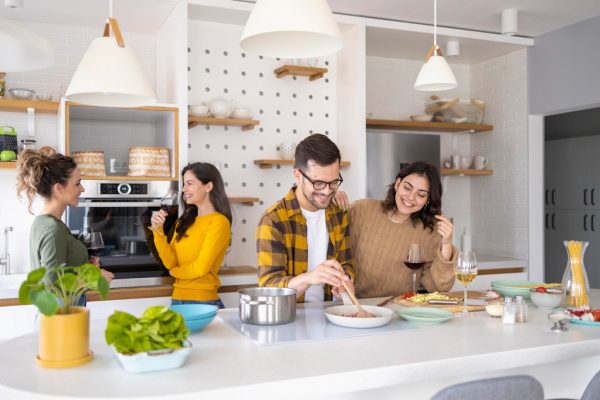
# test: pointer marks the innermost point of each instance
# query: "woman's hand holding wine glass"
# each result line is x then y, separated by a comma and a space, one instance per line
95, 246
168, 205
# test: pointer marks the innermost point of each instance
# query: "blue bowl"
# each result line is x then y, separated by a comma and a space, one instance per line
196, 325
192, 312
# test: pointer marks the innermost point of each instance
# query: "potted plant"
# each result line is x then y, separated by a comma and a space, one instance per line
64, 327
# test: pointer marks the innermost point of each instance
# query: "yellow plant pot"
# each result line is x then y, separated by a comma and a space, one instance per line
64, 340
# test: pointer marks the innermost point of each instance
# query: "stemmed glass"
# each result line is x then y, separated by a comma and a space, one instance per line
415, 260
94, 243
169, 204
466, 272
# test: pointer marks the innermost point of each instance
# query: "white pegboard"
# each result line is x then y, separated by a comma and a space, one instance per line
289, 109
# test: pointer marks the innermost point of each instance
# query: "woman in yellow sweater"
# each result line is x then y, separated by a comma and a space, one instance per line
201, 237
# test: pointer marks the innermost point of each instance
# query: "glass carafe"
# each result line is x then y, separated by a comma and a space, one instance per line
575, 281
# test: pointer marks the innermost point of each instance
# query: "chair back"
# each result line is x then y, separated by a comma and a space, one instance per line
592, 390
517, 387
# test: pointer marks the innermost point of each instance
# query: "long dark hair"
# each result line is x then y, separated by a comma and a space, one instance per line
205, 173
39, 170
433, 206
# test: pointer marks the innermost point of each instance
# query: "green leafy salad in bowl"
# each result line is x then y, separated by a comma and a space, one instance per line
138, 341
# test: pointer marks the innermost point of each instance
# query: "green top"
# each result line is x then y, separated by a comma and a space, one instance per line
51, 244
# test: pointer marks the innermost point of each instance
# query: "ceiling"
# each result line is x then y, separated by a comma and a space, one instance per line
536, 17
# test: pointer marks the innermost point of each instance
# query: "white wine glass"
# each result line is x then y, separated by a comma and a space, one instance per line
415, 260
466, 272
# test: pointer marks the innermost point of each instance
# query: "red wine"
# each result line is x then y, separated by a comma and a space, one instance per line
94, 251
169, 209
414, 265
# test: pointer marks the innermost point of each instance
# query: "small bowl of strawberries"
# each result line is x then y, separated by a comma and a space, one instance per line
547, 298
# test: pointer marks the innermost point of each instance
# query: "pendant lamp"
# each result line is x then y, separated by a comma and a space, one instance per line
109, 75
23, 50
291, 29
435, 74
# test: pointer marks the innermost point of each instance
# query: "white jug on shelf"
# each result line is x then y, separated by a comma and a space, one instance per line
221, 108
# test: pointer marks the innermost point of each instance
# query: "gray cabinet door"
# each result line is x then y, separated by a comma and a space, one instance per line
557, 230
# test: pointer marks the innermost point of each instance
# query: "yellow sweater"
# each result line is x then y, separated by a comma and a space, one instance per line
194, 261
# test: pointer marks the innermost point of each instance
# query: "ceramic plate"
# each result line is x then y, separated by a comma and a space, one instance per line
515, 288
338, 315
584, 322
425, 315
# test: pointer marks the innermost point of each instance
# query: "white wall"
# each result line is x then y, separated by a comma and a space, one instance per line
70, 43
289, 109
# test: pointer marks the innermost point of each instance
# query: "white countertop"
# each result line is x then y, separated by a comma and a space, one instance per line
225, 364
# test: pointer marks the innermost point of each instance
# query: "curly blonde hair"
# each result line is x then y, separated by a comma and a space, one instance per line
39, 170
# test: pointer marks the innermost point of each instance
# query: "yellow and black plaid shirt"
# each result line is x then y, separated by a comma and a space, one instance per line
282, 247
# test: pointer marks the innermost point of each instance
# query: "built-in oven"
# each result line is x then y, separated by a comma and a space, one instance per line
121, 212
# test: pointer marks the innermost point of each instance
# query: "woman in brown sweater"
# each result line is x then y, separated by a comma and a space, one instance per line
382, 232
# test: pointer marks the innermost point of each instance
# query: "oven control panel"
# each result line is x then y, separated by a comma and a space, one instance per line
124, 188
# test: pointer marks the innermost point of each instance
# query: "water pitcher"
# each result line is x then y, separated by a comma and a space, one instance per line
575, 281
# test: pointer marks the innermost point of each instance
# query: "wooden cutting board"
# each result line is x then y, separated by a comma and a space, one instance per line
471, 294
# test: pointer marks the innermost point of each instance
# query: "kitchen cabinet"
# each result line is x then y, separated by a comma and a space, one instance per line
572, 204
115, 130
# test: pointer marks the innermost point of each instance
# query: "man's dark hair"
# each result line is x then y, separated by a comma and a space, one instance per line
316, 147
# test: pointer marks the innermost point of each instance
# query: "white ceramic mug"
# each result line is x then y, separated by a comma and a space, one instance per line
455, 161
465, 162
480, 162
287, 150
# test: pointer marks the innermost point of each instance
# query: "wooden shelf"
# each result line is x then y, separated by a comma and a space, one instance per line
8, 164
15, 105
269, 163
313, 73
246, 124
129, 178
427, 126
246, 201
449, 171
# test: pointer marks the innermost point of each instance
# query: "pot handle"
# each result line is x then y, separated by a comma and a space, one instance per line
256, 303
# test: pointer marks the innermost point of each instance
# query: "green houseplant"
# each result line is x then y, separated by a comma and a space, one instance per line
64, 327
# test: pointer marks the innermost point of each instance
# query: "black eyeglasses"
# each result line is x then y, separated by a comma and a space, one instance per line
320, 185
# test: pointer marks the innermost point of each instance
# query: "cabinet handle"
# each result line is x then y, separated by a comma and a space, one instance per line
546, 197
553, 190
553, 215
585, 197
585, 222
592, 196
546, 221
592, 222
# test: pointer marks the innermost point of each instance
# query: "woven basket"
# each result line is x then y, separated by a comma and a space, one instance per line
90, 163
149, 161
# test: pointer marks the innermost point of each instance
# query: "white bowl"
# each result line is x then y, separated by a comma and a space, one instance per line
200, 110
421, 117
549, 300
339, 315
156, 360
22, 94
241, 113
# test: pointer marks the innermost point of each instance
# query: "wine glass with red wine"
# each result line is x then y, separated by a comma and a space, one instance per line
169, 203
94, 243
415, 260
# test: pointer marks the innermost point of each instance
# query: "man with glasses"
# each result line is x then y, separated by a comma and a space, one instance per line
303, 240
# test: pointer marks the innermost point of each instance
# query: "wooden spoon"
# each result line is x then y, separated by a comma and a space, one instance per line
362, 313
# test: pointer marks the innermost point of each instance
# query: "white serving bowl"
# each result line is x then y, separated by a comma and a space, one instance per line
552, 298
156, 360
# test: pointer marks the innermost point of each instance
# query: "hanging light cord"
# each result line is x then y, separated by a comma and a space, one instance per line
434, 23
110, 9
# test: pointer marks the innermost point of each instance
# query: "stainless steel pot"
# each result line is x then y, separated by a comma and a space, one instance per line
267, 305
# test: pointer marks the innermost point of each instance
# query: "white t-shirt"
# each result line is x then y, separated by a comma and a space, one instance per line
318, 241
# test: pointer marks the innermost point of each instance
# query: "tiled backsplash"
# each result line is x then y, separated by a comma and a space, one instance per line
70, 43
494, 207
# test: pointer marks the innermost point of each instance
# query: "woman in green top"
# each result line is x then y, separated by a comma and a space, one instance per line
57, 179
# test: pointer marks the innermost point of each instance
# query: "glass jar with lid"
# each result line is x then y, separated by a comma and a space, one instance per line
27, 144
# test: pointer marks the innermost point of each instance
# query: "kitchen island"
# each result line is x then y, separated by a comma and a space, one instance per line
412, 364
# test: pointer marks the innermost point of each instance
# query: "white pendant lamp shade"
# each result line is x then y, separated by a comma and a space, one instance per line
435, 75
23, 50
291, 29
109, 75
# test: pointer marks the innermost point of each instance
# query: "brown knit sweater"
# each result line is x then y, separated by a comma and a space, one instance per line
380, 246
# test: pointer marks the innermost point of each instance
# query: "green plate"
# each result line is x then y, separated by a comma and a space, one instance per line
512, 289
425, 315
584, 322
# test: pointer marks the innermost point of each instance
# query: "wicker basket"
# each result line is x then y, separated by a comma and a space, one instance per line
149, 161
90, 163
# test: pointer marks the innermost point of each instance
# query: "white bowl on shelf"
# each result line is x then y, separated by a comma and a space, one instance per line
422, 117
